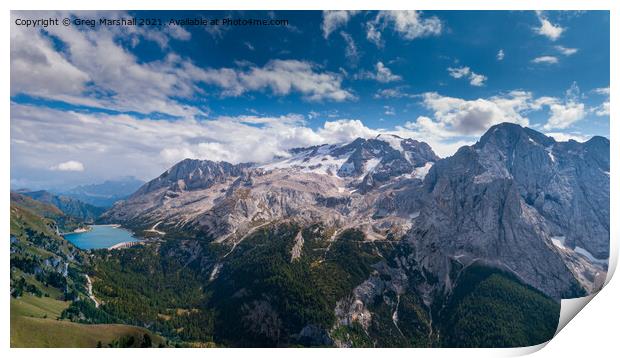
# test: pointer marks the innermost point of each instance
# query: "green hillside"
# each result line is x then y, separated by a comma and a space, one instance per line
30, 329
33, 210
491, 308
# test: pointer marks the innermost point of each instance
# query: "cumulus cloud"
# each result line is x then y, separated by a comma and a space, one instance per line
567, 111
455, 121
548, 29
382, 74
408, 24
69, 166
475, 79
563, 115
546, 60
456, 116
500, 55
334, 19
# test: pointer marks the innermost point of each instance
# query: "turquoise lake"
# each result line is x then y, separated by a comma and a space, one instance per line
100, 237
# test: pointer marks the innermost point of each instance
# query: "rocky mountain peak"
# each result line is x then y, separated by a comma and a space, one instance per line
191, 174
508, 135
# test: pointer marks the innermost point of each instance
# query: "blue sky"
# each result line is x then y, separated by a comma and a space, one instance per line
94, 103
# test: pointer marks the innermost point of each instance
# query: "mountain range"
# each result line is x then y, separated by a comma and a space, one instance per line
517, 201
377, 242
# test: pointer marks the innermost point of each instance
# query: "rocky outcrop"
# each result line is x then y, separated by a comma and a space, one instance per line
297, 246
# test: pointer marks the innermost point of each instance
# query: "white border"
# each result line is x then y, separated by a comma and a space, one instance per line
593, 331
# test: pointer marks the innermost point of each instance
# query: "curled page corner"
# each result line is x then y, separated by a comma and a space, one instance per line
523, 351
571, 307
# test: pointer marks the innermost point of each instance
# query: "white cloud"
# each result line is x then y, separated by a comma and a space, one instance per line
603, 109
456, 116
281, 77
393, 93
116, 145
565, 137
566, 112
408, 24
179, 33
350, 51
566, 51
382, 74
373, 35
457, 121
602, 90
563, 115
69, 166
389, 111
500, 55
547, 29
97, 69
545, 60
93, 69
119, 145
334, 19
475, 79
459, 72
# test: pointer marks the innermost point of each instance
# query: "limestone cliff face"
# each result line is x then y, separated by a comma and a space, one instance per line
505, 199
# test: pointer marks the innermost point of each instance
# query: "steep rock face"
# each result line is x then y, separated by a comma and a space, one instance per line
184, 184
503, 200
566, 182
192, 174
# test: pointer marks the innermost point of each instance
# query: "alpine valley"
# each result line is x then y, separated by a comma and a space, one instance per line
373, 243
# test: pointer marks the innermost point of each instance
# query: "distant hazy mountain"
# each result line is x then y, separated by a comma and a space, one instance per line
107, 193
69, 206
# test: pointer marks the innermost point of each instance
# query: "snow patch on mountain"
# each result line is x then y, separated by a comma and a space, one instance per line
318, 161
393, 140
421, 172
